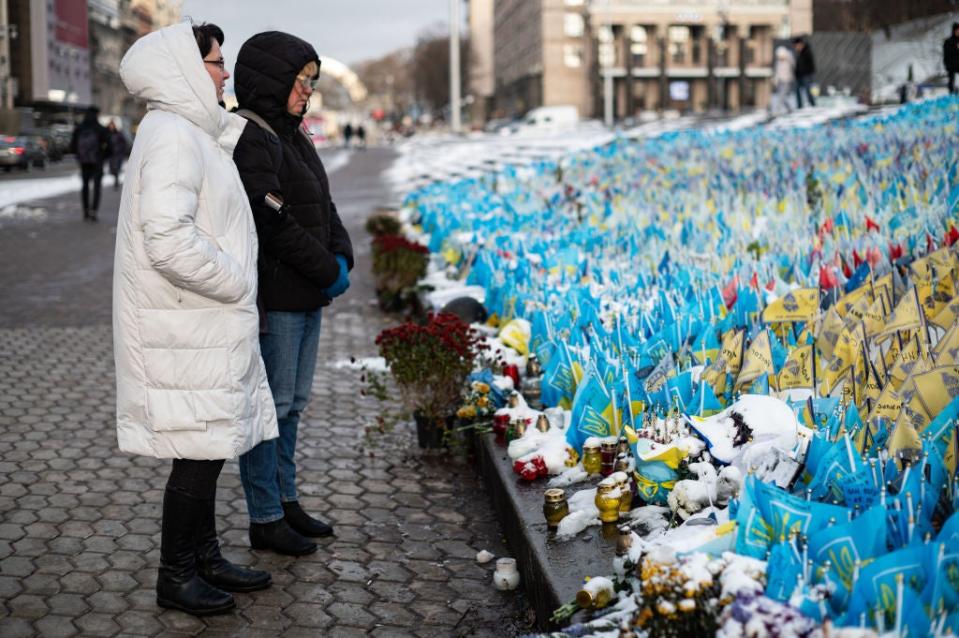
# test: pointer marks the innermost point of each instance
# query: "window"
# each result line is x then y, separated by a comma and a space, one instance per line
607, 50
573, 55
678, 39
574, 3
638, 45
573, 25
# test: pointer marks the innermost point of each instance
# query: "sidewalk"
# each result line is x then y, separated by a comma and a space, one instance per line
79, 522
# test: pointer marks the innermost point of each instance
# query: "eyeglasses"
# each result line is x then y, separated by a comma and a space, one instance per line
219, 62
309, 81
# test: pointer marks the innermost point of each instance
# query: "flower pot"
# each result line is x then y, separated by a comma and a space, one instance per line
430, 430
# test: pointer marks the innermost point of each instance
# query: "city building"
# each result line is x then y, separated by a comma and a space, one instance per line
481, 84
540, 55
50, 57
59, 56
107, 45
688, 55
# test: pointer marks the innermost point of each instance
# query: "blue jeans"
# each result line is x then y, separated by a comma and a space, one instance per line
268, 471
804, 84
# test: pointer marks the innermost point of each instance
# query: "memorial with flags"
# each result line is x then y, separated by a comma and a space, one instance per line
676, 284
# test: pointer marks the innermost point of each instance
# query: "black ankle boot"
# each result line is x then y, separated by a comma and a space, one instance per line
218, 571
280, 538
303, 522
178, 585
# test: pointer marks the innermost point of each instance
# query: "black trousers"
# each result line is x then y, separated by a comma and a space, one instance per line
952, 81
91, 173
196, 479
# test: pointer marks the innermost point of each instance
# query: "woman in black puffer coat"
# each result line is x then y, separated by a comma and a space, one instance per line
304, 261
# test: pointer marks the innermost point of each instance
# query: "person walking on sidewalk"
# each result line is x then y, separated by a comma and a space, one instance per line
805, 68
191, 385
305, 259
783, 73
118, 153
950, 56
90, 144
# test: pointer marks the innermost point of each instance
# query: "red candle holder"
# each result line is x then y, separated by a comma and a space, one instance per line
512, 371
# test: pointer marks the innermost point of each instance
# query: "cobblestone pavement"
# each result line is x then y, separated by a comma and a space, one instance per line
80, 522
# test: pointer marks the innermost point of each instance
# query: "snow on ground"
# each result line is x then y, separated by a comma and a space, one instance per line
430, 157
334, 158
371, 364
14, 211
24, 190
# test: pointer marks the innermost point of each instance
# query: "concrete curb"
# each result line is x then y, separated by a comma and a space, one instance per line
552, 571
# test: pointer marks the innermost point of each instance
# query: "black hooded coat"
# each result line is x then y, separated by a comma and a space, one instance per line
950, 50
297, 259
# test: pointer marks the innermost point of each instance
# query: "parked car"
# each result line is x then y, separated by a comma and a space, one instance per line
49, 141
21, 152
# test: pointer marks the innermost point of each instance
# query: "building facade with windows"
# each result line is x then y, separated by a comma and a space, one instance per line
540, 55
688, 55
691, 55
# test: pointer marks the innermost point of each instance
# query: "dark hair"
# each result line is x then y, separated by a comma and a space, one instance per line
205, 33
796, 40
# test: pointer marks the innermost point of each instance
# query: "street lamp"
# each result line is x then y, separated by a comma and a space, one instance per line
455, 125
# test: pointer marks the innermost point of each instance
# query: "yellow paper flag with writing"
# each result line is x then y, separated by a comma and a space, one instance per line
797, 305
757, 360
904, 442
935, 295
888, 405
936, 388
874, 318
947, 350
797, 371
829, 333
947, 315
850, 299
904, 317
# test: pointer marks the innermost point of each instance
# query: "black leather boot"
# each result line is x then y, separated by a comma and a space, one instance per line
178, 585
214, 568
279, 537
303, 522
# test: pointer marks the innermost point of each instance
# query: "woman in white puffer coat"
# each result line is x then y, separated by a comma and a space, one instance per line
191, 385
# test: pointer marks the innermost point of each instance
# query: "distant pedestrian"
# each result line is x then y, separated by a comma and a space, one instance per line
783, 74
950, 56
361, 136
305, 259
90, 145
347, 134
805, 68
191, 385
118, 152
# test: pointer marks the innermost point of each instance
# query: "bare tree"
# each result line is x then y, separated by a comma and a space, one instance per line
389, 81
430, 68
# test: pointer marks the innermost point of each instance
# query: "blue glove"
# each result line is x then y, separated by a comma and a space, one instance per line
342, 281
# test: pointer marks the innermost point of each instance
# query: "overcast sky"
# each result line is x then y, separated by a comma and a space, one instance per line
348, 30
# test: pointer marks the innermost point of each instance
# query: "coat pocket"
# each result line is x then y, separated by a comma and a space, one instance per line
184, 410
186, 387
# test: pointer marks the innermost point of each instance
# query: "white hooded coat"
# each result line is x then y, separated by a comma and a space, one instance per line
784, 70
190, 379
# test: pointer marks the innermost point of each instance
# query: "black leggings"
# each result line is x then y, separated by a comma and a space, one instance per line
196, 479
91, 173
